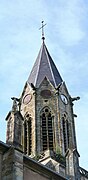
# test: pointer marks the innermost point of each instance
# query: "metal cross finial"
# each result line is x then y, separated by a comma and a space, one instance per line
42, 27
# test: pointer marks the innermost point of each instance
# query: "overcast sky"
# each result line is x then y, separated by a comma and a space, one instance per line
66, 35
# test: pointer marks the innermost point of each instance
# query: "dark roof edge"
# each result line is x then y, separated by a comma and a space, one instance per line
40, 168
4, 146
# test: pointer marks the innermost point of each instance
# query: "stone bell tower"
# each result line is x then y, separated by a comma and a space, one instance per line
46, 127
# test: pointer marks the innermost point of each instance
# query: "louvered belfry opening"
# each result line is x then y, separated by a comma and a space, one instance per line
65, 126
27, 135
47, 130
44, 131
50, 131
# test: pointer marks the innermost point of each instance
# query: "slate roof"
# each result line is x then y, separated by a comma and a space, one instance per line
44, 67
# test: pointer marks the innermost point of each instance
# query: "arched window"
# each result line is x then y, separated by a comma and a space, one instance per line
47, 129
65, 126
27, 135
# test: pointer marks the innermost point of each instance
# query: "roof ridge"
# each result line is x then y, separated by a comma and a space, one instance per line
39, 55
50, 66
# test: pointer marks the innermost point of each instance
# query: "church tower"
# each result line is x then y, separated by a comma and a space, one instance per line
42, 119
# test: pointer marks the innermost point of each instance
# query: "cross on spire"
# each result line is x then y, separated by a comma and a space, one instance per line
42, 27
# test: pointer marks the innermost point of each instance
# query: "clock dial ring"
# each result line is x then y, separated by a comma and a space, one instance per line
64, 99
27, 98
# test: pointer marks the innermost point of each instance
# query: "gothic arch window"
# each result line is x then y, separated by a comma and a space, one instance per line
65, 127
47, 129
27, 134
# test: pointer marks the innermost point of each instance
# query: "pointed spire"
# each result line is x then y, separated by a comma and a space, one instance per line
44, 67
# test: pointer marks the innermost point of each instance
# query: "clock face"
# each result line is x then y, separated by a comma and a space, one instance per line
64, 99
27, 98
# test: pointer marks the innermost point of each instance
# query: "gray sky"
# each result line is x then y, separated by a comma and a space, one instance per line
67, 41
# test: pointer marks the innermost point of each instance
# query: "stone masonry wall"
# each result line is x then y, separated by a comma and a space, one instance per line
12, 165
29, 108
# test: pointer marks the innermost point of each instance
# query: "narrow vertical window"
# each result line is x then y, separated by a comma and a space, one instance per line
44, 132
47, 130
25, 138
65, 125
28, 135
50, 132
64, 134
